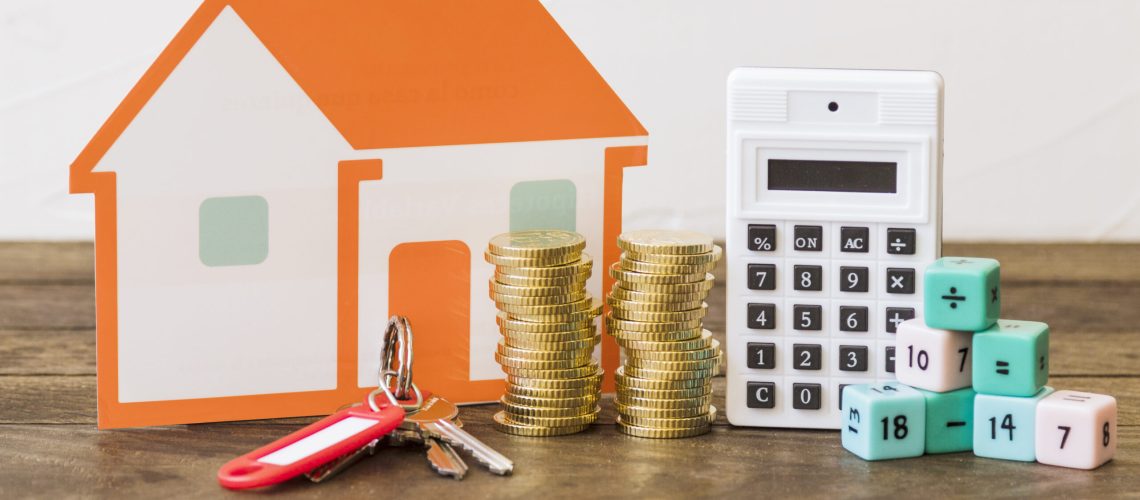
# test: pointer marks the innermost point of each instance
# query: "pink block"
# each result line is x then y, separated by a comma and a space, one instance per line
931, 358
1076, 429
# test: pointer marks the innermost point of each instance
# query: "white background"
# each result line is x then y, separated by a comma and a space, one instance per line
1042, 99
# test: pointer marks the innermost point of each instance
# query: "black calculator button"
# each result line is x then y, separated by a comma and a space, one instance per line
853, 279
808, 238
853, 358
808, 278
900, 280
761, 395
900, 241
762, 316
762, 237
806, 396
896, 315
762, 276
854, 239
853, 318
761, 355
840, 398
807, 356
889, 359
807, 317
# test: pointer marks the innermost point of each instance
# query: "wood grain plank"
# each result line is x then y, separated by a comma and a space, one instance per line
47, 262
47, 307
1057, 262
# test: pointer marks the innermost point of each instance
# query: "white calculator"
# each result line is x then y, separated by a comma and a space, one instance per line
834, 211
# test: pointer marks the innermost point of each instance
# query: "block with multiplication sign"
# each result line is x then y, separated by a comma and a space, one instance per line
833, 193
1011, 358
949, 420
883, 421
1004, 425
1076, 429
931, 358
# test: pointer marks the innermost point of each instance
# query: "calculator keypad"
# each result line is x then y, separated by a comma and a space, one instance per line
819, 310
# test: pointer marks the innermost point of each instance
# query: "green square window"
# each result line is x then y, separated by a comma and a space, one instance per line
233, 231
551, 204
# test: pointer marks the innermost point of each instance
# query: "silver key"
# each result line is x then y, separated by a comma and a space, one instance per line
443, 458
446, 430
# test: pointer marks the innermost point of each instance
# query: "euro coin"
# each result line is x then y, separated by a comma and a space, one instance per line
532, 354
574, 317
617, 273
646, 432
515, 410
665, 404
504, 424
701, 342
585, 304
650, 326
672, 423
514, 337
583, 265
677, 413
540, 243
660, 316
670, 242
551, 261
541, 364
572, 345
565, 402
711, 352
630, 305
619, 293
557, 373
541, 300
638, 372
572, 280
653, 268
634, 393
661, 258
671, 336
592, 380
496, 288
629, 381
505, 322
709, 364
587, 418
695, 287
538, 392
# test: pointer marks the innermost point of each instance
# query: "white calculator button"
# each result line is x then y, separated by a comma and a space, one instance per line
763, 276
901, 240
894, 314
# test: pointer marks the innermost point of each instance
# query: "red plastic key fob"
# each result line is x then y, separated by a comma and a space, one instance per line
318, 443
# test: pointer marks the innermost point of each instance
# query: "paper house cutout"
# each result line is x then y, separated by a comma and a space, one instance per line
289, 173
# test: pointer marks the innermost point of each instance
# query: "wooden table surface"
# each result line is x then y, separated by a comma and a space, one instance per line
1089, 294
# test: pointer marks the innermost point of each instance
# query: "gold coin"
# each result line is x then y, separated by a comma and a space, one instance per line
514, 338
634, 393
555, 373
540, 243
587, 418
542, 300
572, 345
642, 412
689, 260
711, 352
660, 316
584, 304
533, 354
650, 326
672, 423
591, 381
506, 362
619, 293
630, 381
630, 305
702, 342
505, 322
572, 280
583, 265
574, 317
590, 400
516, 410
666, 241
504, 424
550, 261
638, 372
538, 392
695, 287
654, 268
646, 432
673, 336
496, 288
665, 404
617, 273
672, 366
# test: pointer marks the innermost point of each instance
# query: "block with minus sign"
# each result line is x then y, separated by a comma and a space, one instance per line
962, 293
949, 421
1011, 358
883, 421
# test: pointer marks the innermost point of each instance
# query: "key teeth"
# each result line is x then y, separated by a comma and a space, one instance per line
492, 460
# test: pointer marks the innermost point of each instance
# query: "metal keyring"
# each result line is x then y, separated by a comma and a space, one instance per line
397, 347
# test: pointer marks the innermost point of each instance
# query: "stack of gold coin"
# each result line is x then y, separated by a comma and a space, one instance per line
547, 322
664, 386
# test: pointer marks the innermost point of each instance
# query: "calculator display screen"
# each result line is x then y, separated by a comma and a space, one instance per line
842, 176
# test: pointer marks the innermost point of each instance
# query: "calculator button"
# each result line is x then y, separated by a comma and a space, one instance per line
854, 239
900, 241
889, 359
762, 237
900, 280
853, 318
896, 315
807, 317
807, 356
762, 316
762, 355
853, 279
808, 238
840, 398
762, 276
806, 396
761, 395
808, 278
853, 358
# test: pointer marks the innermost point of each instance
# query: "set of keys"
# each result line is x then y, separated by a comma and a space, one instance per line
403, 416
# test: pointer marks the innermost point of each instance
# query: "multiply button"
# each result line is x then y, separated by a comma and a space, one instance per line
900, 280
853, 239
762, 237
900, 241
808, 238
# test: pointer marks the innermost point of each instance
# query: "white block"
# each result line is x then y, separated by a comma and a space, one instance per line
1076, 429
933, 359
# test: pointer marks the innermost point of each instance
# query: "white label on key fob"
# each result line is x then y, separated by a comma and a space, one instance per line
318, 441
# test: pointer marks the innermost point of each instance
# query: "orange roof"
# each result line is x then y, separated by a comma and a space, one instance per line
399, 73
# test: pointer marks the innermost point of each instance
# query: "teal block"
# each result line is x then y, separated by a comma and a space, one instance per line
962, 293
1005, 426
1011, 358
883, 421
233, 231
949, 420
